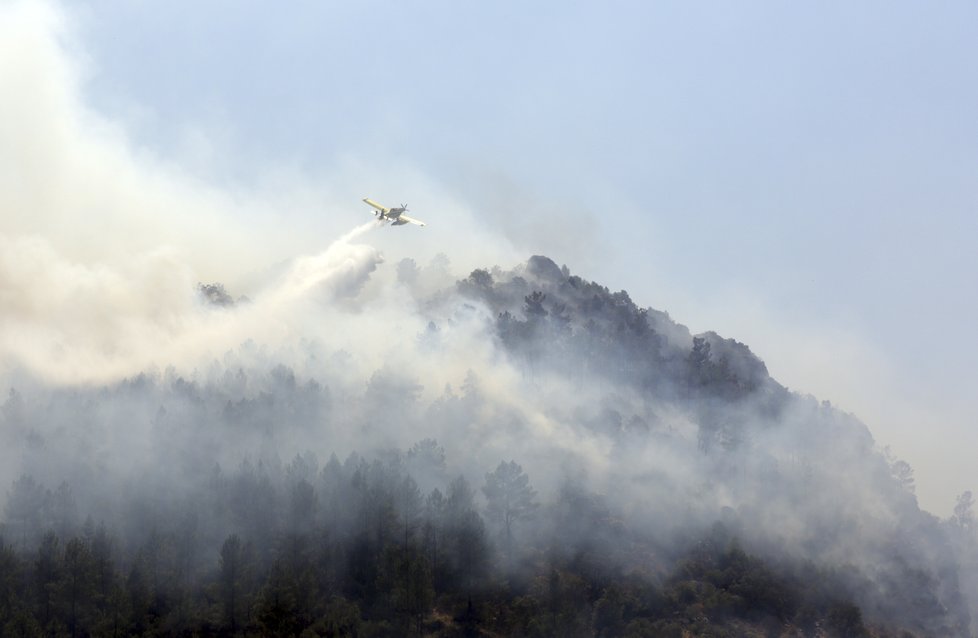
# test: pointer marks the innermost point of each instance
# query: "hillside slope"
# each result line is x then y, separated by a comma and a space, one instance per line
519, 452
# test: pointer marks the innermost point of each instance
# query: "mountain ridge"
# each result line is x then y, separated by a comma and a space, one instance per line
669, 483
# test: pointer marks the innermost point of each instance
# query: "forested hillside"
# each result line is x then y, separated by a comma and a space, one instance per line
519, 453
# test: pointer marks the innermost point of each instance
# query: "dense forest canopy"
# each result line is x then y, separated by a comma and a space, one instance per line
516, 452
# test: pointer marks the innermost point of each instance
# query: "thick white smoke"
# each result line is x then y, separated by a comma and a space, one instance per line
102, 244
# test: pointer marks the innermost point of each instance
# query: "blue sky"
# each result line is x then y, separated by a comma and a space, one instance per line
802, 177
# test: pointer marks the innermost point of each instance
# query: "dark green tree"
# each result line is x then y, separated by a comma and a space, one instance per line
465, 554
277, 609
48, 567
11, 590
845, 620
407, 576
472, 548
77, 586
433, 532
235, 568
510, 499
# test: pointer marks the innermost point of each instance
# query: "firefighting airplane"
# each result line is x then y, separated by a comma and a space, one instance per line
395, 216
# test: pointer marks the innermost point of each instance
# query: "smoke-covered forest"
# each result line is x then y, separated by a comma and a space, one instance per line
512, 453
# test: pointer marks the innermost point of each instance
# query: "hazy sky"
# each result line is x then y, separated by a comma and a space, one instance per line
802, 177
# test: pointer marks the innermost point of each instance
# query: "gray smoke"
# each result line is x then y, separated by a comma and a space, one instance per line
123, 384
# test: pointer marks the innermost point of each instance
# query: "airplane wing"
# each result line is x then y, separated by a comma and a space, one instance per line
405, 218
383, 210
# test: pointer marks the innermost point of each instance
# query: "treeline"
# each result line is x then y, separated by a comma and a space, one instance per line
358, 548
